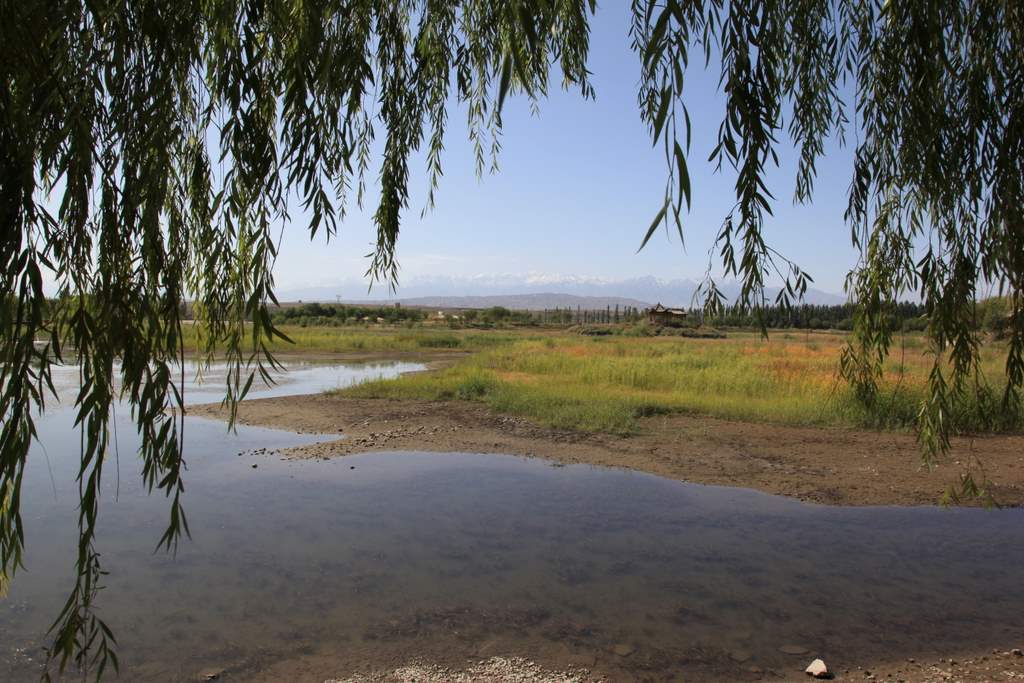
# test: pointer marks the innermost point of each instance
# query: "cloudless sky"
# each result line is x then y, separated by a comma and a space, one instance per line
578, 186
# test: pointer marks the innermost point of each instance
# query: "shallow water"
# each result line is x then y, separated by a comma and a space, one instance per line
449, 556
206, 384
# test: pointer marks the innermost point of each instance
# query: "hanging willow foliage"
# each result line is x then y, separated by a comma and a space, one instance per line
935, 201
150, 151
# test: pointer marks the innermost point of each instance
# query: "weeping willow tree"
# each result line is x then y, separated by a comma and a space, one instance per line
150, 153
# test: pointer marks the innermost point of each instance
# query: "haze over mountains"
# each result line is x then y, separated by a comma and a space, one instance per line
530, 292
523, 302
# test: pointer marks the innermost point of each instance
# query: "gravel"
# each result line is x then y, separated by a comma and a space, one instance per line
493, 670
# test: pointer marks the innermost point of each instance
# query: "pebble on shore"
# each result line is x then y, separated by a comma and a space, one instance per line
818, 669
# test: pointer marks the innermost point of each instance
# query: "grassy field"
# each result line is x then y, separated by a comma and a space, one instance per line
606, 383
381, 339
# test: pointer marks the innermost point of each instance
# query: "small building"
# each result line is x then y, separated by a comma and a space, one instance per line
661, 315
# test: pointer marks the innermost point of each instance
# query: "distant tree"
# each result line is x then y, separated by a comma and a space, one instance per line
496, 314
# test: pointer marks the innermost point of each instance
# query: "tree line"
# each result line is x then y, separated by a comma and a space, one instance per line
991, 315
331, 315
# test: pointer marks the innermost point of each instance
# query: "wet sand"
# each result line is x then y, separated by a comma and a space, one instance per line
823, 465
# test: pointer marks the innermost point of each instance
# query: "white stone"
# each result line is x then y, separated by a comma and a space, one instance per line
817, 669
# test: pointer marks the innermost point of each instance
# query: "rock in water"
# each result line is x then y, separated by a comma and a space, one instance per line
818, 669
624, 649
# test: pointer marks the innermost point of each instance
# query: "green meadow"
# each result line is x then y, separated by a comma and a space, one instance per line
606, 383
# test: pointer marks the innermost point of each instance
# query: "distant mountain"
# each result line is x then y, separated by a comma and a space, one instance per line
679, 292
518, 302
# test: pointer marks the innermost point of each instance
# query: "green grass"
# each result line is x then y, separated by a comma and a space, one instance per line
378, 339
607, 383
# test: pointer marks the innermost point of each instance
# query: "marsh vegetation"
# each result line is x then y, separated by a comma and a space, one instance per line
605, 383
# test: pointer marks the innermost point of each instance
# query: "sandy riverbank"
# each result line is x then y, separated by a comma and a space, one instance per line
821, 465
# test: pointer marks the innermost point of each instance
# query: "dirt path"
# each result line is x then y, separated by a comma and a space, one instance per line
822, 465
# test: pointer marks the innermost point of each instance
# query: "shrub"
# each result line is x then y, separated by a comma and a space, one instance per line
439, 342
475, 386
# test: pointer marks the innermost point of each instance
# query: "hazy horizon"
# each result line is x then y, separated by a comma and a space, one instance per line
647, 289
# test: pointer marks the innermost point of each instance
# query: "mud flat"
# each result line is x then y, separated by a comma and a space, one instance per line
822, 465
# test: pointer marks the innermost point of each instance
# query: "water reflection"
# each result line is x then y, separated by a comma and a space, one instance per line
206, 384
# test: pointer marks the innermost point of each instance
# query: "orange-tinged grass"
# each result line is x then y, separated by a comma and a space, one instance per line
606, 383
517, 377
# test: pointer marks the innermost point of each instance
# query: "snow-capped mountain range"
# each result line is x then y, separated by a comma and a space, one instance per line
531, 291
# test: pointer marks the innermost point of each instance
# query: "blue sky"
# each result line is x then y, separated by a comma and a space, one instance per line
577, 188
